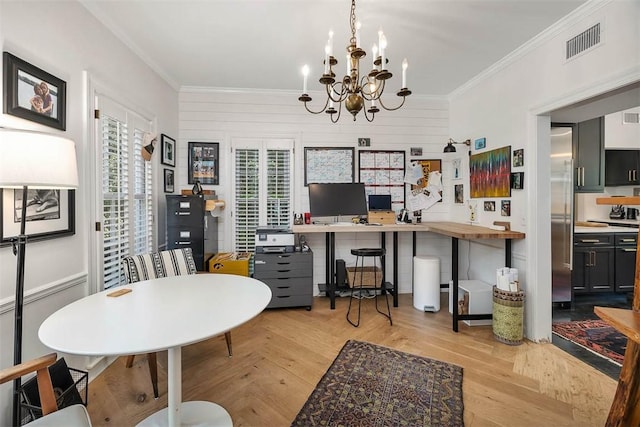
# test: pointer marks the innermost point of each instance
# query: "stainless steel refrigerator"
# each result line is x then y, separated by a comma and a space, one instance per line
561, 211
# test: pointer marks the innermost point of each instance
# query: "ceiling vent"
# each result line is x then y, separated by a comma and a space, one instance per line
583, 41
631, 118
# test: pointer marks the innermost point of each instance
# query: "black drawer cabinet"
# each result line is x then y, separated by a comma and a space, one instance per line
290, 277
621, 167
190, 226
625, 260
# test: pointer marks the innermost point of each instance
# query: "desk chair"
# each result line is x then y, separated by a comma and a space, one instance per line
74, 415
359, 272
176, 262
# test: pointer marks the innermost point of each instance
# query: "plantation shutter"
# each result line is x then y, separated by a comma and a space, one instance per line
263, 180
127, 194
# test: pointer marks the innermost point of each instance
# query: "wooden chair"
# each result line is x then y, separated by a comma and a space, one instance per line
625, 409
74, 415
176, 262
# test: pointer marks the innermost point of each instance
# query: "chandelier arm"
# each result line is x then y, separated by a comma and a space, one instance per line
317, 112
366, 116
342, 94
404, 98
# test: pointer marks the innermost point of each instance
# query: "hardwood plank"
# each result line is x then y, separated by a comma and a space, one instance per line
280, 356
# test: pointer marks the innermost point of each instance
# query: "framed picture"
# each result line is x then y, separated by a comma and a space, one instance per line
458, 190
490, 206
518, 158
490, 173
33, 94
204, 162
505, 208
168, 151
480, 143
457, 169
517, 180
328, 165
50, 214
168, 181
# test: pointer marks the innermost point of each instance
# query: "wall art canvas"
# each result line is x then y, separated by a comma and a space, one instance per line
490, 173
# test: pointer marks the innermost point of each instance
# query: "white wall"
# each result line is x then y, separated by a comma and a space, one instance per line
71, 42
220, 116
502, 105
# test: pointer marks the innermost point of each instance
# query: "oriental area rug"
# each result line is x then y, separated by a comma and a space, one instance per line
595, 335
370, 385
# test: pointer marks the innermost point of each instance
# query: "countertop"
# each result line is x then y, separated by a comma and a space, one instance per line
607, 229
626, 222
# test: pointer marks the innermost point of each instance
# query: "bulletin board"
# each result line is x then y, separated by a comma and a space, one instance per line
382, 172
324, 165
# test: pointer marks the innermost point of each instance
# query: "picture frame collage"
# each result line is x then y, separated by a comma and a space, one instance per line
168, 158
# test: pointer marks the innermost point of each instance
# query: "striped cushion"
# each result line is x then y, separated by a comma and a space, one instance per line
175, 262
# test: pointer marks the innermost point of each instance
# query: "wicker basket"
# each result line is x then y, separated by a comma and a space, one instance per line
508, 316
371, 277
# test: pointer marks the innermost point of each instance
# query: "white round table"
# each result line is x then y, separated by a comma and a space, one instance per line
159, 314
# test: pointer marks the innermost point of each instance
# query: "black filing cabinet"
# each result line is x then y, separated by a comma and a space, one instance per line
289, 275
189, 225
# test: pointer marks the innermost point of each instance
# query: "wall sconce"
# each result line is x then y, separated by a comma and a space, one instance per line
214, 207
449, 148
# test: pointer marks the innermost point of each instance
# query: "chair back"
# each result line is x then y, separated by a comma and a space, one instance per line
175, 262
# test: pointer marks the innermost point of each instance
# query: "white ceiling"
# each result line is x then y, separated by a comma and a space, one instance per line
263, 44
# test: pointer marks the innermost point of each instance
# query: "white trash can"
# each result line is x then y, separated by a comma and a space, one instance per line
426, 283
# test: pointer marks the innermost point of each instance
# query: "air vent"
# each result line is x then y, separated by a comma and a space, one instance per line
583, 41
631, 118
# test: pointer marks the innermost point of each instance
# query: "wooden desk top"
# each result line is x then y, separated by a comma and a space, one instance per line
625, 321
451, 229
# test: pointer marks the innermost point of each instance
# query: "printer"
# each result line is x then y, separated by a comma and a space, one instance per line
274, 239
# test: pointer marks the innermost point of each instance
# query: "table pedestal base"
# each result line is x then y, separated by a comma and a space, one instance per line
196, 413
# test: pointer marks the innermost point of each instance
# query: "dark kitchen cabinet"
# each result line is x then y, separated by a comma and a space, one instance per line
593, 263
588, 155
625, 261
189, 225
621, 167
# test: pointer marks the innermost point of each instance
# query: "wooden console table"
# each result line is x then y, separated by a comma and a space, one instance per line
625, 409
454, 230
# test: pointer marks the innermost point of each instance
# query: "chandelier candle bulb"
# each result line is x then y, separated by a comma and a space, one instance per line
330, 42
358, 26
326, 59
374, 50
405, 64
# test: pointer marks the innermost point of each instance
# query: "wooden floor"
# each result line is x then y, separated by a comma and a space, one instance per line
280, 356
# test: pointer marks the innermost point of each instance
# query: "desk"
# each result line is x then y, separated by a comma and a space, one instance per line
454, 230
159, 314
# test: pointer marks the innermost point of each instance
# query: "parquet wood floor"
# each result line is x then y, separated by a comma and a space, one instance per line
280, 356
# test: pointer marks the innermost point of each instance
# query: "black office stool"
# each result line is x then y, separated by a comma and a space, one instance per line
361, 254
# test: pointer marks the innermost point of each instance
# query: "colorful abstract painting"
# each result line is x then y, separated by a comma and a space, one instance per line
490, 173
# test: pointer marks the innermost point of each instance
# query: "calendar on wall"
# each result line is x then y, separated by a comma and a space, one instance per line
382, 172
328, 165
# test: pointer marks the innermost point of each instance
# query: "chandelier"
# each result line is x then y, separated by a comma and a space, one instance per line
353, 90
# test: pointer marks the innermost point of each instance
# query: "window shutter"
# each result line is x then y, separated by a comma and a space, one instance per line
127, 198
263, 180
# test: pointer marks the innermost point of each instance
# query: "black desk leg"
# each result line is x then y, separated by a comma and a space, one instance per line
507, 252
329, 269
454, 286
395, 268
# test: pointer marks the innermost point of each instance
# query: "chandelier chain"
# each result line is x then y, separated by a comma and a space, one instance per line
353, 22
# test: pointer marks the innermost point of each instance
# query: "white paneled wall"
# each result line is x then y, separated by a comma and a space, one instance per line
220, 116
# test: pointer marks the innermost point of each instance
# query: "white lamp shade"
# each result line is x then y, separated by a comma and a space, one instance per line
37, 160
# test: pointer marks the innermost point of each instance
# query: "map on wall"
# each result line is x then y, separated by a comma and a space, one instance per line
328, 165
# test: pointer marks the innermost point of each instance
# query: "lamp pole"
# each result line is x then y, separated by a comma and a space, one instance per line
19, 249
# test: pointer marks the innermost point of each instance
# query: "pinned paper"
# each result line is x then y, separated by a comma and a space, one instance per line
418, 200
413, 174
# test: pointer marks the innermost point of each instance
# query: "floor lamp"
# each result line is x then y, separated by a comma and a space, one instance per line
32, 161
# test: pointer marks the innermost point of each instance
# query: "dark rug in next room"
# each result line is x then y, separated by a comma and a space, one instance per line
594, 335
370, 385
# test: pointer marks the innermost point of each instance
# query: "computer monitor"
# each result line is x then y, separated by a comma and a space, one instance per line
337, 199
379, 202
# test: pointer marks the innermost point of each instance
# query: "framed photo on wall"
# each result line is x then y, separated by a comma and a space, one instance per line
50, 214
168, 150
204, 163
33, 94
168, 181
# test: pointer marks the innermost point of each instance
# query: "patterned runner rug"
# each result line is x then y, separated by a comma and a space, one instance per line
370, 385
594, 335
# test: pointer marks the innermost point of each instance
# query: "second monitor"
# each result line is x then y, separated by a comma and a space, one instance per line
380, 202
